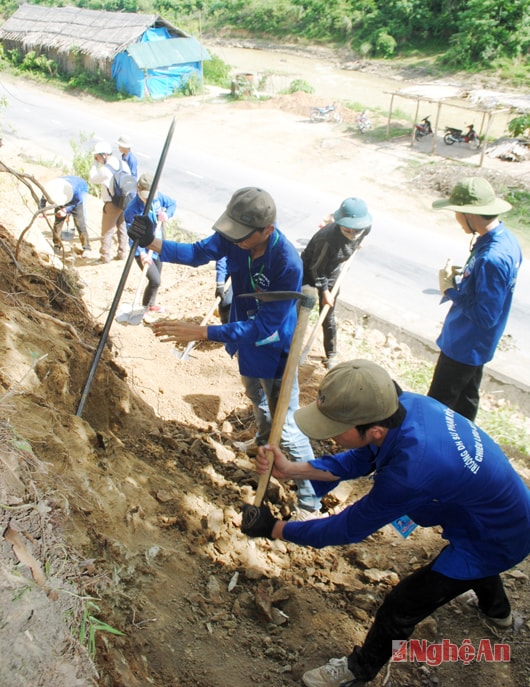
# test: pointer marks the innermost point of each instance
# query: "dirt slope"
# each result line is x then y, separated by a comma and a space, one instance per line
130, 513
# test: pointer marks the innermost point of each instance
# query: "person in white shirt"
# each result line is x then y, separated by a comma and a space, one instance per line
112, 216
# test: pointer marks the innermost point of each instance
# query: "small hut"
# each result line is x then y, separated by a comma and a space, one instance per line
143, 53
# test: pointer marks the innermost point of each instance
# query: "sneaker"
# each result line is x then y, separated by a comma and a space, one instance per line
499, 622
470, 598
58, 250
87, 253
333, 674
156, 308
303, 514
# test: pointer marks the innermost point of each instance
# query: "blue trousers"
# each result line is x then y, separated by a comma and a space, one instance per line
263, 393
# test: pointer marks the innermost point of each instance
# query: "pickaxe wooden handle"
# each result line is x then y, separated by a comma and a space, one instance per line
325, 309
307, 302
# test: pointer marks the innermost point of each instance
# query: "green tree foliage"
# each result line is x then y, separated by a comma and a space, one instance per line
520, 126
488, 30
475, 33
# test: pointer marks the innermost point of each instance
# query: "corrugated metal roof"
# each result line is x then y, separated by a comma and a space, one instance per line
92, 32
163, 53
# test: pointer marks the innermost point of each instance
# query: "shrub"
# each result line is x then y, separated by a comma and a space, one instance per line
520, 126
216, 72
83, 158
385, 44
192, 85
300, 85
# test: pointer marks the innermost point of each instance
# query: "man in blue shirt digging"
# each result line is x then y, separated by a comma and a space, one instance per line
428, 463
258, 258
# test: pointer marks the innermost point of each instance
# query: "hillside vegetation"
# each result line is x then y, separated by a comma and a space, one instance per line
464, 34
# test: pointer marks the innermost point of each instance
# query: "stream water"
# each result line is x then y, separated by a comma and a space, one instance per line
332, 81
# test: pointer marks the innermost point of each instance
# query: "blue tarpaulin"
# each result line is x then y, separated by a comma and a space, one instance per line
158, 65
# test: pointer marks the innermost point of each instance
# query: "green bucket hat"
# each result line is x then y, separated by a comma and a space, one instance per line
474, 196
353, 214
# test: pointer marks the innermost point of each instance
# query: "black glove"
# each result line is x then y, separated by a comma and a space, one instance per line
219, 290
142, 230
258, 521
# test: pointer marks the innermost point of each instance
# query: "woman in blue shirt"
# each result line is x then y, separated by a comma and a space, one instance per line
162, 208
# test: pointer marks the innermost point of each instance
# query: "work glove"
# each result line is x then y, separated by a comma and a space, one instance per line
142, 230
258, 521
446, 276
219, 289
445, 280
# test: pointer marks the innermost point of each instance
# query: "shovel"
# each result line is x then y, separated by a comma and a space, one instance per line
134, 314
186, 352
115, 301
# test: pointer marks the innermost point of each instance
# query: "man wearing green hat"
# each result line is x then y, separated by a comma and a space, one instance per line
425, 461
480, 294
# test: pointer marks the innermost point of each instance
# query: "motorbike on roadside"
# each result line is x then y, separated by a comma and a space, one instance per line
453, 135
326, 114
424, 128
363, 122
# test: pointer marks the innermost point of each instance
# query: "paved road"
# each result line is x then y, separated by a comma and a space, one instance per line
394, 276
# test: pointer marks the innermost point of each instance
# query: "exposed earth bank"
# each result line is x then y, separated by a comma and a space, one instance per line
127, 518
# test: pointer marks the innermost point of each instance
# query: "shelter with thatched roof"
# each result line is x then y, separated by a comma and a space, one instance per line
143, 53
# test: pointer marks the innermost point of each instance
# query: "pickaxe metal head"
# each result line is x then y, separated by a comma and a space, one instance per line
273, 295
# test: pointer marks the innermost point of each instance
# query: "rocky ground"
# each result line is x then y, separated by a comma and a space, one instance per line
126, 519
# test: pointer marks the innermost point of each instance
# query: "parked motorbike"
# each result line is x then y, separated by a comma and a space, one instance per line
424, 128
363, 122
326, 114
453, 135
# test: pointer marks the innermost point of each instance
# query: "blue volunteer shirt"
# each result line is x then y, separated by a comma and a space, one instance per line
259, 333
136, 207
80, 189
441, 470
481, 303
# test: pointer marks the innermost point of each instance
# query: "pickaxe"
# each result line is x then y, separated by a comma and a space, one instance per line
307, 301
325, 309
123, 279
185, 354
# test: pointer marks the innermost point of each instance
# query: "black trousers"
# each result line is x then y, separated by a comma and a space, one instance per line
457, 386
154, 279
410, 602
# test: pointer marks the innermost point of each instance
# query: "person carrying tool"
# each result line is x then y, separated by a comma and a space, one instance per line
480, 294
427, 462
69, 195
112, 220
162, 208
327, 250
259, 259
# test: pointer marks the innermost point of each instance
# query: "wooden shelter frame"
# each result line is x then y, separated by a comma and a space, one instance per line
487, 117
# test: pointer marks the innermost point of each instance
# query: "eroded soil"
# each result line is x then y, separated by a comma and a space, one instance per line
134, 506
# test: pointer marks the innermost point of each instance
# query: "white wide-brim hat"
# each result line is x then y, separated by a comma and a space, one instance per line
59, 191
